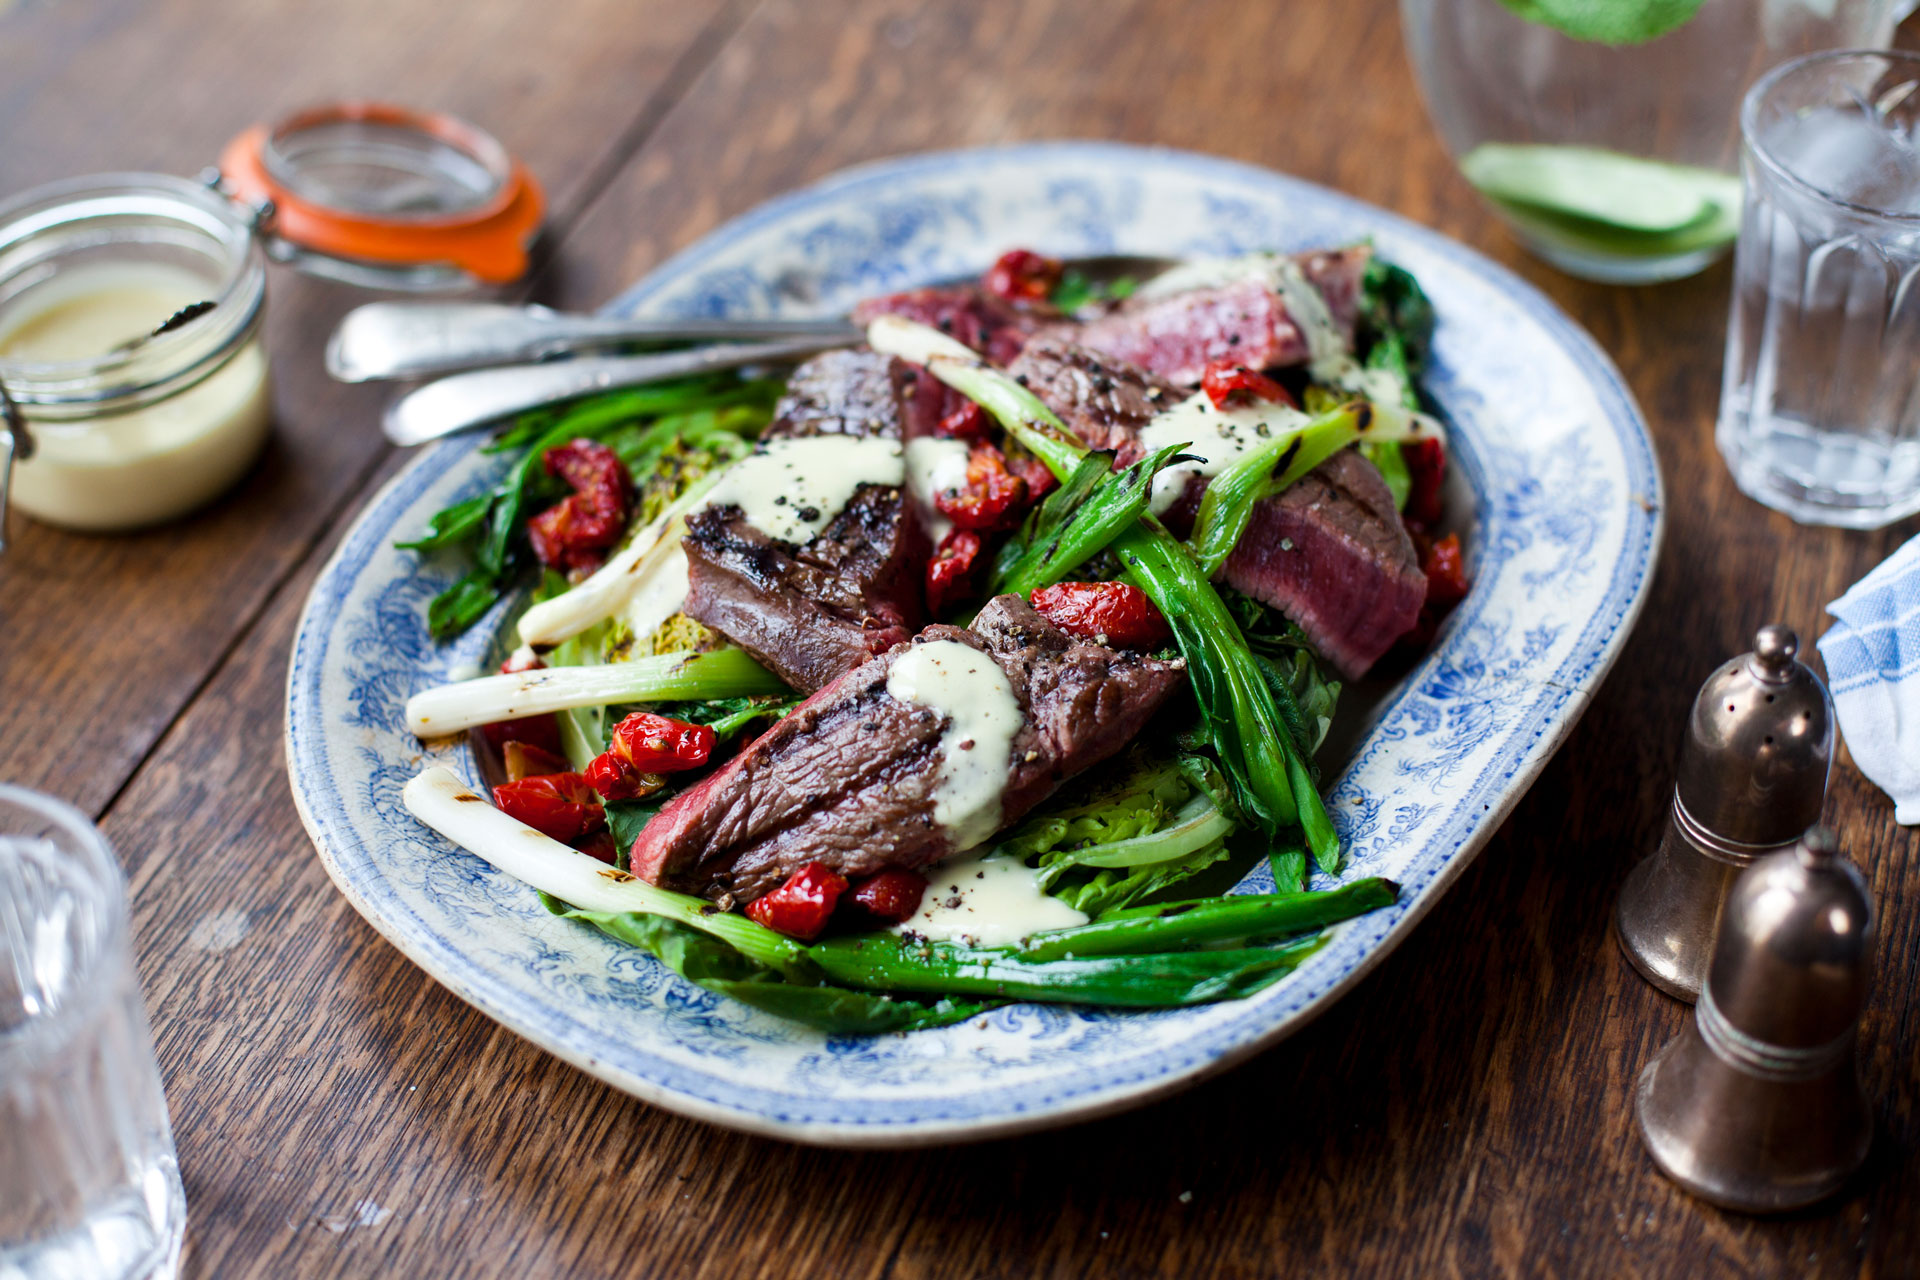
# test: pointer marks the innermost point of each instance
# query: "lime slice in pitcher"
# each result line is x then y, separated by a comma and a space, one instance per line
1606, 201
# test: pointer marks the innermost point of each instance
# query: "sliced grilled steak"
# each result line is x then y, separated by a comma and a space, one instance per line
924, 400
810, 613
849, 778
1102, 400
838, 393
1330, 552
1177, 336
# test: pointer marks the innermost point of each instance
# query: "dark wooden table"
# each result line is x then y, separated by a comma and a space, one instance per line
1466, 1110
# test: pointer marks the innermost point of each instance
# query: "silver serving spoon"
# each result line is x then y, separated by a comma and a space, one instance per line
396, 341
423, 337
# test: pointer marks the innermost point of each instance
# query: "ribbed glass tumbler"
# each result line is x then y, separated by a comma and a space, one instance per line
89, 1185
1820, 403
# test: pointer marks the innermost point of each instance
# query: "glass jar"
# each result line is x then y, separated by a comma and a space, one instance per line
1615, 161
130, 427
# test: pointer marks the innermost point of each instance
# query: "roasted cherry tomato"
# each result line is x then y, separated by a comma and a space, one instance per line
1227, 384
542, 732
615, 779
575, 532
656, 744
1040, 481
1105, 612
968, 421
892, 895
560, 805
1023, 276
994, 496
525, 760
1446, 568
1426, 467
644, 747
952, 571
801, 907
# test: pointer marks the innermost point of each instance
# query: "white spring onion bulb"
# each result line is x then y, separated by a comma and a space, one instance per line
438, 798
455, 708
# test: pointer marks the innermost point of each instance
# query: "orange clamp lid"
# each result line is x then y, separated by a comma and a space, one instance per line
383, 184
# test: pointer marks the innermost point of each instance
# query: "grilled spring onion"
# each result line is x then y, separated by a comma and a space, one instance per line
1210, 920
1076, 521
1270, 779
1134, 960
455, 708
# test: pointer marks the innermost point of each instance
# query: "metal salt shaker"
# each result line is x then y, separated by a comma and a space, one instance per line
1753, 776
1757, 1106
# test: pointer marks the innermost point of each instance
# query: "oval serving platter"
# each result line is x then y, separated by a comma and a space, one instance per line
1565, 526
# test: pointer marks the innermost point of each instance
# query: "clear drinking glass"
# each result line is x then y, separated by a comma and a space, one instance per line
89, 1186
1608, 141
1820, 405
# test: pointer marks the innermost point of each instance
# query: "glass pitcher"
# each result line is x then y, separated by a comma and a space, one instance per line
1606, 135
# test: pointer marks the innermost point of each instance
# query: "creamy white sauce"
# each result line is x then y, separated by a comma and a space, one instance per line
660, 596
790, 490
1218, 438
1307, 308
988, 902
152, 463
973, 693
935, 466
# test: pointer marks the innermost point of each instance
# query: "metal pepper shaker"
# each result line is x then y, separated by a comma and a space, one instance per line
1753, 776
1757, 1105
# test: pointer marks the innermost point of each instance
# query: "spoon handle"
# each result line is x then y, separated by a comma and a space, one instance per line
398, 340
465, 401
16, 445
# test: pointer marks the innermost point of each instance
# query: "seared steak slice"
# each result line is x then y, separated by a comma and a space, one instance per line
924, 400
837, 393
1329, 552
810, 613
966, 313
1176, 336
849, 778
1103, 401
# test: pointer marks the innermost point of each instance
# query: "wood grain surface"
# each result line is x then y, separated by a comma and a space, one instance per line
1464, 1111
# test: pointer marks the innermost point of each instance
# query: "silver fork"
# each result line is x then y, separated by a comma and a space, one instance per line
402, 340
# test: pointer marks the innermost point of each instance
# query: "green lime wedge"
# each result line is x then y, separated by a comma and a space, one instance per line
1626, 193
1717, 229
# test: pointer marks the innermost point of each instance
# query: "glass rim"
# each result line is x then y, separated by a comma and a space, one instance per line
1749, 125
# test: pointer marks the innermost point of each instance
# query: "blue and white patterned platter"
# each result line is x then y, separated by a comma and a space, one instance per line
1566, 523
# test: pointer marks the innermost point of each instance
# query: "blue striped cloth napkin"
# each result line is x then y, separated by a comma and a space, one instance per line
1873, 667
